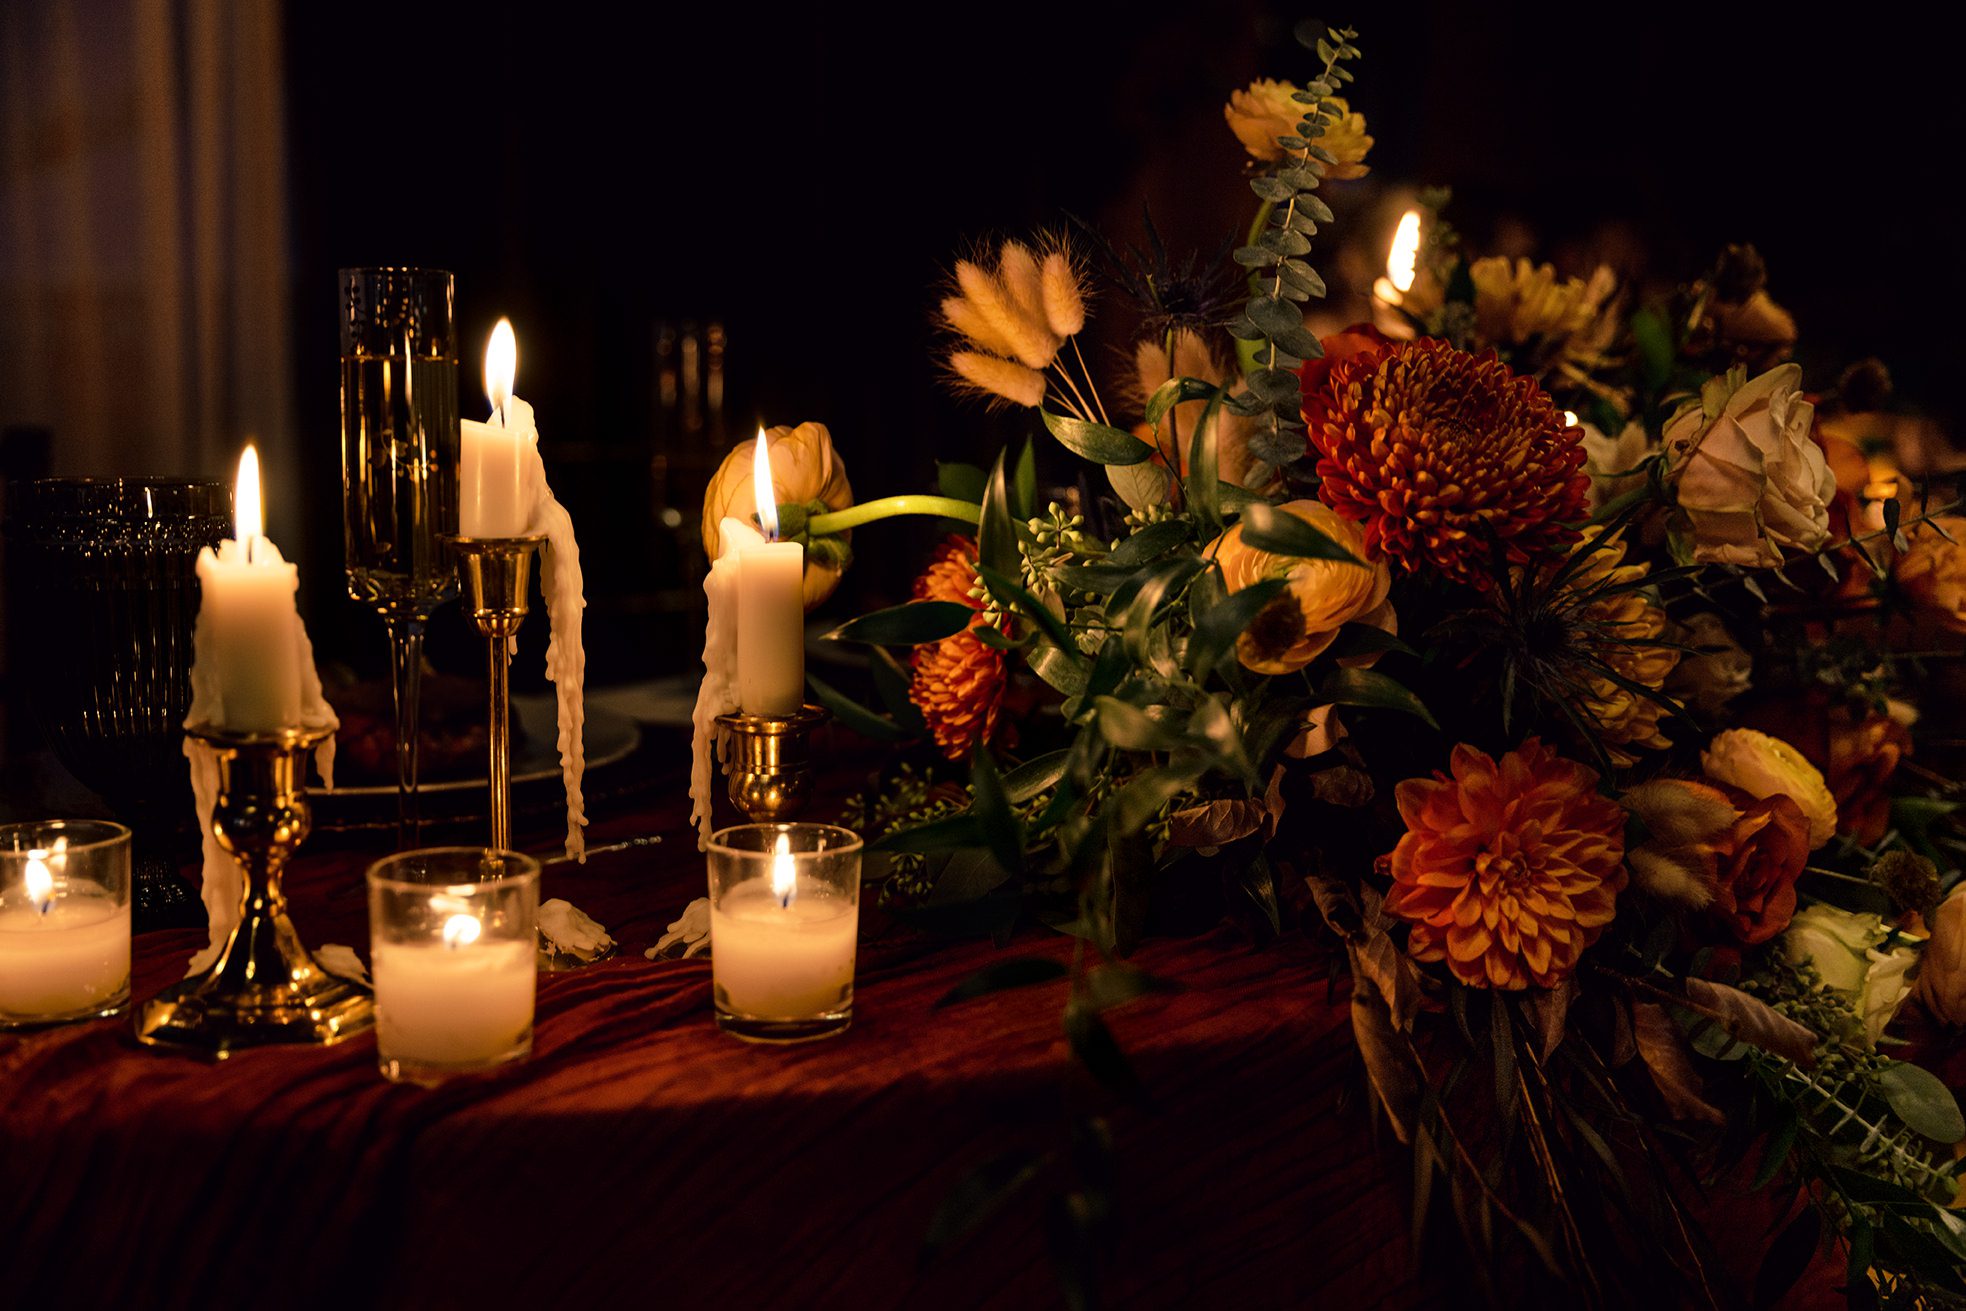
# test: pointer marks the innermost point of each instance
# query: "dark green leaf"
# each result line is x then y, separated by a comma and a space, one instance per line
910, 624
854, 715
1131, 728
1092, 1042
1150, 543
1269, 529
1201, 482
1114, 985
999, 976
1024, 482
1096, 441
996, 535
892, 682
951, 834
1003, 831
1364, 687
1099, 579
1357, 639
1012, 595
1061, 669
981, 1195
961, 482
1217, 629
1775, 1152
1035, 776
1655, 348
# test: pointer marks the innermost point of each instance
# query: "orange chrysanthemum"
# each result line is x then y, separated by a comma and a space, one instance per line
1443, 456
1510, 868
959, 681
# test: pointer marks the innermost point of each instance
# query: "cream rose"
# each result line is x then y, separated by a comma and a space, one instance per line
1749, 480
1849, 953
804, 468
1941, 986
1764, 766
1322, 595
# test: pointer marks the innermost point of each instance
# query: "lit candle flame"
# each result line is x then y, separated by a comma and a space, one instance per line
1405, 253
38, 882
763, 490
462, 931
784, 877
248, 521
1570, 418
501, 366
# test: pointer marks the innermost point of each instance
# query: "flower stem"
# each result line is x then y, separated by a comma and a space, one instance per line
940, 507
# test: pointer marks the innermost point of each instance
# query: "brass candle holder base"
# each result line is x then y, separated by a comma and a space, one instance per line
770, 777
265, 988
497, 575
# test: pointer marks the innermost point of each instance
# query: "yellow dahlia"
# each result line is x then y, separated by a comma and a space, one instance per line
1611, 622
1509, 868
1518, 304
1446, 457
959, 681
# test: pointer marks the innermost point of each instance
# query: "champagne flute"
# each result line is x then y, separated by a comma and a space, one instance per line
399, 461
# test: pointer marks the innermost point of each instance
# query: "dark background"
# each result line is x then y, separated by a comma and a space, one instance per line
806, 176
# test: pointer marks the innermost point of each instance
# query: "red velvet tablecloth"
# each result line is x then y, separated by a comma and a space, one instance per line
642, 1153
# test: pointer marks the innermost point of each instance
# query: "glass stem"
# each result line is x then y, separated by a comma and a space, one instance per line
406, 682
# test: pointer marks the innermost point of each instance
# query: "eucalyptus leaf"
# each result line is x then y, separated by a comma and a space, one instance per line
910, 624
1150, 543
1035, 776
1096, 441
1062, 670
1922, 1100
1003, 831
1131, 728
1217, 629
951, 834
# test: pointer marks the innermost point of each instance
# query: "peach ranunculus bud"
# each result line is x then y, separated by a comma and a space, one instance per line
1933, 572
1764, 766
804, 469
1941, 986
1322, 595
1267, 110
1750, 481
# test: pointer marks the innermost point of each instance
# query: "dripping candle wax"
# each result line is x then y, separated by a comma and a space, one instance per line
770, 608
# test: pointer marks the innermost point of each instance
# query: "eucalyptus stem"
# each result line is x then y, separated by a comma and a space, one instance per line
889, 507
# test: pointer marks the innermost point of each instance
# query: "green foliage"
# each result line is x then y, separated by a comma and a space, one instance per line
1272, 322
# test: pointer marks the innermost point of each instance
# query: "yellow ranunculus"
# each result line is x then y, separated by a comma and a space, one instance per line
1763, 766
1517, 302
1322, 596
1266, 111
804, 468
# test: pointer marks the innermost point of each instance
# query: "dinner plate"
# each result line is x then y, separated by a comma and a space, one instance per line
609, 737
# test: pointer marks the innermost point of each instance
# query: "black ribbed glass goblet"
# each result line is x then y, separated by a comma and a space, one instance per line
106, 587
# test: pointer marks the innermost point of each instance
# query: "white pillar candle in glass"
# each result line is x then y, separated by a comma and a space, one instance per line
64, 921
492, 457
771, 656
784, 929
454, 955
248, 627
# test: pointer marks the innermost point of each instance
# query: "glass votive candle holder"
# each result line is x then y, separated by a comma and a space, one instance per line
454, 956
784, 925
64, 921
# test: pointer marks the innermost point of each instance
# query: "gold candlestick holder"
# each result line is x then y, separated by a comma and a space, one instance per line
770, 776
265, 988
497, 575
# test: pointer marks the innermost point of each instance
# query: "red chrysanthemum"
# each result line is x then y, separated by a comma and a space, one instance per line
1508, 869
959, 681
1444, 456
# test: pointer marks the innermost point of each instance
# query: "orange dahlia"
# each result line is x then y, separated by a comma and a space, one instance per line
1444, 456
1508, 869
959, 681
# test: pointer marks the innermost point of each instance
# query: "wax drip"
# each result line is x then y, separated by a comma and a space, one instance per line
717, 694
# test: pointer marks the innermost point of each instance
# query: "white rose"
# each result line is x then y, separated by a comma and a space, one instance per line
1886, 985
1849, 952
1750, 481
1836, 941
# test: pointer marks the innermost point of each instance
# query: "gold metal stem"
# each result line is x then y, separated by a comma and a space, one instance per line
265, 987
771, 762
497, 573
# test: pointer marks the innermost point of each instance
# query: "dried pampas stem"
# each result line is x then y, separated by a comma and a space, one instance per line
1006, 379
975, 327
1064, 298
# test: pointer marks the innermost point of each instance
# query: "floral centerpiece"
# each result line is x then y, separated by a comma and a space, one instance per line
1553, 653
